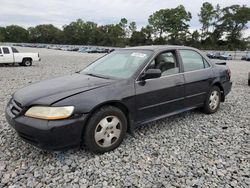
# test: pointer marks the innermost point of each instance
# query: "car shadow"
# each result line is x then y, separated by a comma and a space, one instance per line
9, 65
13, 65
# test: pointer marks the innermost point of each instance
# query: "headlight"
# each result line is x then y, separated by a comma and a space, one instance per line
50, 113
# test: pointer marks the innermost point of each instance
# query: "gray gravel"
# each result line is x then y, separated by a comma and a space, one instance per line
187, 150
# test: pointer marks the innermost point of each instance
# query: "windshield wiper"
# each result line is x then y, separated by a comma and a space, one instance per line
98, 76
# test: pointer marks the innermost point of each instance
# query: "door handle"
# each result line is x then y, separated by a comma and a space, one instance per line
1, 55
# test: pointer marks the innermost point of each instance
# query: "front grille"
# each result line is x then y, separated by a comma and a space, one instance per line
15, 107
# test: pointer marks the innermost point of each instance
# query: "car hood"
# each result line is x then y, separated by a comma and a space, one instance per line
50, 91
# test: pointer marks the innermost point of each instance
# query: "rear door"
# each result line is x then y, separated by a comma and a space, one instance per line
7, 55
160, 96
198, 77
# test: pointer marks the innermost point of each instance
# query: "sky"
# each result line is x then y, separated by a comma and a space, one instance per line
28, 13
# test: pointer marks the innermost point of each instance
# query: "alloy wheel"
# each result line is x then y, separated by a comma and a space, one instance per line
214, 100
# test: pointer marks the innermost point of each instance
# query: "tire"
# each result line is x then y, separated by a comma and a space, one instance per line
213, 100
105, 130
27, 63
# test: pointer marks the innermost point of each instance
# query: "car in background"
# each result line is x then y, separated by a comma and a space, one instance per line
225, 56
211, 55
246, 57
98, 105
11, 55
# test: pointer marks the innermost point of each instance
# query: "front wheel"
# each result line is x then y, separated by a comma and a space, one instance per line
105, 130
213, 100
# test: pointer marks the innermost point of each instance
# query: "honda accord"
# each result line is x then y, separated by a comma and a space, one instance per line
97, 106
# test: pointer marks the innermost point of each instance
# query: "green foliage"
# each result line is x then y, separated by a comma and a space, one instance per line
222, 28
2, 34
158, 22
138, 38
16, 33
206, 16
172, 23
45, 34
227, 23
80, 32
132, 27
233, 22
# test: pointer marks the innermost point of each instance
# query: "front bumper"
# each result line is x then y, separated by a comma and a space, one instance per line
48, 135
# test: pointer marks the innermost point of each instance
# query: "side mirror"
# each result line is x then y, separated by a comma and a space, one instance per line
151, 73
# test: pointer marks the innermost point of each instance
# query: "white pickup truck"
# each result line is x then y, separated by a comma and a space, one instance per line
11, 55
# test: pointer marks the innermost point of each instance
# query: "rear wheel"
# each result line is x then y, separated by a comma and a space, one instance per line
213, 100
105, 130
27, 62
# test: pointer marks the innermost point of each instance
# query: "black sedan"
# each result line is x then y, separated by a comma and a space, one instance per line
115, 94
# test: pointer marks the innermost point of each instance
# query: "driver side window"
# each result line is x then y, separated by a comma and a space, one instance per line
166, 62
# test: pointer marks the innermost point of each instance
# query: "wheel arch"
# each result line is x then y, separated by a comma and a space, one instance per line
117, 104
28, 58
219, 85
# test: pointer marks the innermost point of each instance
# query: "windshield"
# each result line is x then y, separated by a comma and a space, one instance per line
118, 64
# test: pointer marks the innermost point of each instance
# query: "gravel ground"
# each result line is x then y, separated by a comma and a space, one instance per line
186, 150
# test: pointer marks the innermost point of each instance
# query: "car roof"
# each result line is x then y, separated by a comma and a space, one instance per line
159, 47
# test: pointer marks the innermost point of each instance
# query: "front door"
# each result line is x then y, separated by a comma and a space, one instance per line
7, 56
160, 96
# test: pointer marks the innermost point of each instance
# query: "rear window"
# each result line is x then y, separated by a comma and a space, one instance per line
14, 50
6, 50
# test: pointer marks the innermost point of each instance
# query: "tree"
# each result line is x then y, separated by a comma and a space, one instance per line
222, 28
2, 34
138, 38
124, 24
74, 33
233, 22
177, 26
194, 39
172, 22
16, 33
46, 33
206, 16
148, 32
132, 27
158, 22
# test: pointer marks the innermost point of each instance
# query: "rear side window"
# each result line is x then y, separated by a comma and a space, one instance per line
6, 50
0, 51
14, 50
192, 60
